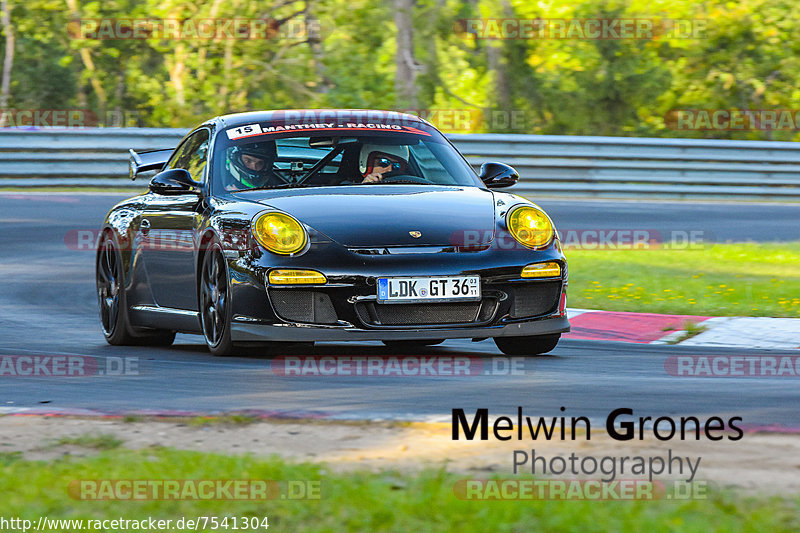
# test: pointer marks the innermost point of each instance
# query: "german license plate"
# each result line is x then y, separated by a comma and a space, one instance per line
429, 289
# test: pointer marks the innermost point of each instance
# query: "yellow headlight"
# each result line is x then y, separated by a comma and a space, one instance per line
285, 276
551, 269
530, 226
279, 233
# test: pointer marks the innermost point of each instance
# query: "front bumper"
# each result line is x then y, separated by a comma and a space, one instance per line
346, 307
249, 332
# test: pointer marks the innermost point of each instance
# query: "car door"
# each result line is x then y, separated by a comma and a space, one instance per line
169, 226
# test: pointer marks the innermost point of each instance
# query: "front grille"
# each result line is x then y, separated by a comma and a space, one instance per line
375, 314
298, 305
535, 298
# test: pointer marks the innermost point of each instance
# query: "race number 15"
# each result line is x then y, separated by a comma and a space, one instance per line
243, 131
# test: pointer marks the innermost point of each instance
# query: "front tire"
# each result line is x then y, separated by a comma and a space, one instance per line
533, 345
215, 302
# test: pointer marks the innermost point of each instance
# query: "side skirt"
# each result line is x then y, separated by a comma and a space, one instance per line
150, 316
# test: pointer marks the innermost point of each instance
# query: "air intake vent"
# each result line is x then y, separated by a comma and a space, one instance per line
297, 305
534, 299
375, 314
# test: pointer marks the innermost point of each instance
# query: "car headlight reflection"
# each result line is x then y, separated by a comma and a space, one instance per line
279, 233
530, 226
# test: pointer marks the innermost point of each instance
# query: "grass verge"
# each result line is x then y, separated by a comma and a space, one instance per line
236, 419
95, 442
722, 280
384, 501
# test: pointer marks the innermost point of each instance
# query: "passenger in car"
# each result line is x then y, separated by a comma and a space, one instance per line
379, 161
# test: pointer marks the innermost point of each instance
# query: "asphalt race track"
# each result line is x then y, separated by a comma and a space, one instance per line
48, 306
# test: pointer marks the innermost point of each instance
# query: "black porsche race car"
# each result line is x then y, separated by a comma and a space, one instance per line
328, 225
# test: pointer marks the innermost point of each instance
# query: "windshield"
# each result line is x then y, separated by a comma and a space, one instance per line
254, 157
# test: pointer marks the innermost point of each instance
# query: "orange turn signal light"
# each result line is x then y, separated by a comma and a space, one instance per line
286, 276
550, 269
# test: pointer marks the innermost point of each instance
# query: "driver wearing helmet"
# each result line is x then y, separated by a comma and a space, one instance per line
377, 161
250, 166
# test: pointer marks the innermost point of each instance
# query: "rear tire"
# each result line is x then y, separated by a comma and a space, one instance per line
113, 304
111, 294
533, 345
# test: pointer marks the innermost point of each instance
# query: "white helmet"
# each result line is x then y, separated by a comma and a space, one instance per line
364, 162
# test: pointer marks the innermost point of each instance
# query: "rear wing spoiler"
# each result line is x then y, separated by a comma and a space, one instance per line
147, 160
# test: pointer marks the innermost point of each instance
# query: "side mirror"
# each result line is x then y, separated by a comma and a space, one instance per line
498, 175
174, 181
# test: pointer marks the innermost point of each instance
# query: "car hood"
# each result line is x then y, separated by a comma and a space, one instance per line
387, 215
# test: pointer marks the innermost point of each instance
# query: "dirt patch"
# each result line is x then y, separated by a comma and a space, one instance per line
759, 462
